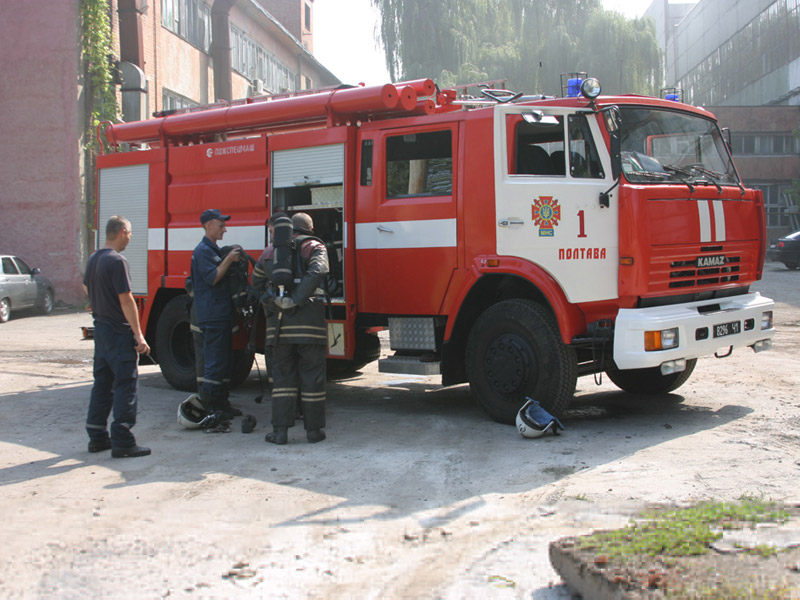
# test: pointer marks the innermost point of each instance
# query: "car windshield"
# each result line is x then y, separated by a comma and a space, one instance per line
666, 146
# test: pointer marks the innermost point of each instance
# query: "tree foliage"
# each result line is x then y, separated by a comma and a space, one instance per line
96, 53
527, 42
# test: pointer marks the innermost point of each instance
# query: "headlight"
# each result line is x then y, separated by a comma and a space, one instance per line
664, 339
590, 88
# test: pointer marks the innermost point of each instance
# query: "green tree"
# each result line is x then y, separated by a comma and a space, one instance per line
527, 42
96, 54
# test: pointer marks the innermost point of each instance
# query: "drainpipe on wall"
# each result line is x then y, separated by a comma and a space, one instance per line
221, 48
131, 46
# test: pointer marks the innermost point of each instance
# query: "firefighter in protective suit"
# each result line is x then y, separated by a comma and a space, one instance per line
296, 333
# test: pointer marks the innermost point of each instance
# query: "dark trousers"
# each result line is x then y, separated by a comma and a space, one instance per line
116, 379
217, 341
298, 368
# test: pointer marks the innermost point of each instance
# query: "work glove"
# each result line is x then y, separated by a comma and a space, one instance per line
284, 303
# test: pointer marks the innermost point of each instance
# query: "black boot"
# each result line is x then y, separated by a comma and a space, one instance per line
315, 435
278, 436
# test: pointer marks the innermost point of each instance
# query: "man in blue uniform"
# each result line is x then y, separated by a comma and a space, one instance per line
213, 309
117, 340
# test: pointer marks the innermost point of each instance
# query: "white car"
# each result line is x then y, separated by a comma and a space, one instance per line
22, 287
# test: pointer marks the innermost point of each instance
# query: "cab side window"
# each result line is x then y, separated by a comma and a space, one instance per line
540, 147
583, 159
419, 164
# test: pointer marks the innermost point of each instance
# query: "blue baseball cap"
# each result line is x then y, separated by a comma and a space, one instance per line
212, 213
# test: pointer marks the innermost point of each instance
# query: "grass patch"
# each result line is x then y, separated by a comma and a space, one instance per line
683, 531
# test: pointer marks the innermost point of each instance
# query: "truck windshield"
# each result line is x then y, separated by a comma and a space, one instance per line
664, 146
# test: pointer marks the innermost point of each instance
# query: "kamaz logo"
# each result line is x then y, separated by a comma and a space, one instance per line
710, 261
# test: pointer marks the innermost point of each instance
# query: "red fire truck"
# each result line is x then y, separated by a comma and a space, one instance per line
513, 242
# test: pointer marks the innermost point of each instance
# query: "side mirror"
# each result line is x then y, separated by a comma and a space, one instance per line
612, 118
35, 271
726, 135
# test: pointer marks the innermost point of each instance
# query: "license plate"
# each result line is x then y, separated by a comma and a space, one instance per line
724, 329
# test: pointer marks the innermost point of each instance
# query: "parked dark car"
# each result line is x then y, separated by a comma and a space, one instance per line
786, 250
23, 287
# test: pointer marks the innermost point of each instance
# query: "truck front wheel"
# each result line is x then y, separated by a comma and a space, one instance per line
515, 350
175, 346
650, 381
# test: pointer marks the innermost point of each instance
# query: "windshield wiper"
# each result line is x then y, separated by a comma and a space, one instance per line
680, 171
647, 174
712, 176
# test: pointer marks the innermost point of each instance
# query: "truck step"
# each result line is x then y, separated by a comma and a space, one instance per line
409, 365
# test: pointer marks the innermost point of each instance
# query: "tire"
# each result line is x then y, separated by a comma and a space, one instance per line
514, 351
790, 265
5, 310
175, 346
368, 349
242, 365
650, 381
47, 303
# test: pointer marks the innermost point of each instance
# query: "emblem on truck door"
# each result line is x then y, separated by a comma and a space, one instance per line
546, 213
710, 261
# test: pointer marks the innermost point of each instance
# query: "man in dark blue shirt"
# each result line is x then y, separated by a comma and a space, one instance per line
214, 312
117, 340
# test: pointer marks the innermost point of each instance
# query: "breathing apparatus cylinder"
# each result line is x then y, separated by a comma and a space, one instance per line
282, 263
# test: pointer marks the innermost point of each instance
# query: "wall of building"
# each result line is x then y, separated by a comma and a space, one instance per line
291, 14
738, 52
767, 154
40, 156
46, 217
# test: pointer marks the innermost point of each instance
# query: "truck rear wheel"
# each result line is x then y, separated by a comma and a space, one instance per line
242, 365
175, 346
175, 349
650, 381
515, 350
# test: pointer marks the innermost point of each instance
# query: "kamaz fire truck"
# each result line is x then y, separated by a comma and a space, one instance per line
513, 242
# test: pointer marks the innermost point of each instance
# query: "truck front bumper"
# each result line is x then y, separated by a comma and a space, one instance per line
703, 328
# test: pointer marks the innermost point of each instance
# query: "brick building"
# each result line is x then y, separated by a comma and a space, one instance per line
170, 54
766, 149
741, 60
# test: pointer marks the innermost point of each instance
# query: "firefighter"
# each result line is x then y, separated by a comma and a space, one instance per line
118, 338
214, 312
296, 333
260, 283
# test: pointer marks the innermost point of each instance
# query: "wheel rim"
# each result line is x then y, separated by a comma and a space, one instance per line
48, 302
4, 310
510, 364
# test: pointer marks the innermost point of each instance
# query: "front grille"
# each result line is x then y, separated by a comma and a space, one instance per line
684, 273
675, 267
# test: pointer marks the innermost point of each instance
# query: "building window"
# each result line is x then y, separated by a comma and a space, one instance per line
252, 60
189, 19
764, 144
307, 23
172, 101
777, 199
767, 43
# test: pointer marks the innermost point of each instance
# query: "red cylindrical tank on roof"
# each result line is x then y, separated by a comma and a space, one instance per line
349, 101
407, 98
423, 87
